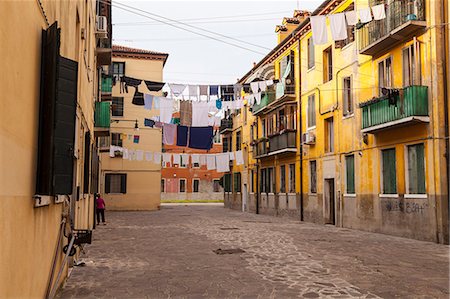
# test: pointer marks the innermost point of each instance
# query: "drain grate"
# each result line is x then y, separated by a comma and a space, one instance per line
228, 228
228, 251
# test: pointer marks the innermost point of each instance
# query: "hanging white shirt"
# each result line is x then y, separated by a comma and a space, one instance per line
365, 15
257, 98
223, 162
262, 86
319, 30
338, 26
200, 116
112, 149
165, 110
239, 158
352, 18
254, 86
231, 154
211, 162
379, 12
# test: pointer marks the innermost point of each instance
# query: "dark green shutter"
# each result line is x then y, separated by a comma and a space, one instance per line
416, 169
123, 183
87, 158
389, 172
350, 174
107, 183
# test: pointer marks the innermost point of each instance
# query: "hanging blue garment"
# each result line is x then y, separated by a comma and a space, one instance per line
213, 90
219, 104
182, 135
201, 137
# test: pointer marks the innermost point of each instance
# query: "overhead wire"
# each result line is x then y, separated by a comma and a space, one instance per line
204, 22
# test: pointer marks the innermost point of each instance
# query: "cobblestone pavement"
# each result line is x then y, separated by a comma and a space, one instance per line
169, 254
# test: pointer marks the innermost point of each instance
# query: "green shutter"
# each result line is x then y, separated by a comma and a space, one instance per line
389, 172
416, 169
350, 173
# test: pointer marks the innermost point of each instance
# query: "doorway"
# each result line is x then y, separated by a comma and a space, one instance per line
244, 198
329, 200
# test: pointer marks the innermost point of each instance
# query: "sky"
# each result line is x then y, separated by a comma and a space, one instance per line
195, 59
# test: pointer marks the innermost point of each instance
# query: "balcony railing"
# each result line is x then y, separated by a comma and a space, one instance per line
403, 19
260, 148
107, 84
266, 99
102, 115
226, 125
284, 142
411, 107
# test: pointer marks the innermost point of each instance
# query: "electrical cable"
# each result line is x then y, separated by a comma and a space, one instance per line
208, 22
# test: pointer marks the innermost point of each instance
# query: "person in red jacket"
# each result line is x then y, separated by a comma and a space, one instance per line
100, 209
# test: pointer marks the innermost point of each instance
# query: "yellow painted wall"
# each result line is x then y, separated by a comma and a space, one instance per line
29, 234
143, 177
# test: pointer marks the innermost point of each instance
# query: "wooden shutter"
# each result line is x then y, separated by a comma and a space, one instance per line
416, 169
389, 172
94, 171
87, 159
350, 174
108, 183
123, 183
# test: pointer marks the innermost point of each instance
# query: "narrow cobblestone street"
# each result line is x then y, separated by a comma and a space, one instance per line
169, 254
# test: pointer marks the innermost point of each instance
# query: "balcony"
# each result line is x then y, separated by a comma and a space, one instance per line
266, 99
226, 125
107, 84
102, 118
103, 52
403, 20
411, 107
283, 142
260, 148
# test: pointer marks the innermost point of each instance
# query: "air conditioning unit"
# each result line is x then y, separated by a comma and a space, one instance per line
308, 138
102, 27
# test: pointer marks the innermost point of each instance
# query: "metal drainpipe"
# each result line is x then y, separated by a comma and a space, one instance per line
258, 187
300, 138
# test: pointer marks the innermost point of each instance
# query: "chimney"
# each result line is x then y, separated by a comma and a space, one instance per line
289, 24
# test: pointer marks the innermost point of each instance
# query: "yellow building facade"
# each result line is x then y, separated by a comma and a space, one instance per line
131, 184
50, 56
372, 123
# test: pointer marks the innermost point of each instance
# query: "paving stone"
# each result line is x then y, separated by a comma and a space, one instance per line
164, 254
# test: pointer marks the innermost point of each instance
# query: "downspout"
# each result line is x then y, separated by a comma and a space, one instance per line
300, 154
258, 187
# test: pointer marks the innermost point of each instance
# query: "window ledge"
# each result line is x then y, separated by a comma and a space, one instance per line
348, 116
311, 69
310, 128
41, 200
388, 195
350, 195
347, 46
270, 193
424, 196
312, 194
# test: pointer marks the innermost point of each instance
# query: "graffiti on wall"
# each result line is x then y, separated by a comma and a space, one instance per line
408, 207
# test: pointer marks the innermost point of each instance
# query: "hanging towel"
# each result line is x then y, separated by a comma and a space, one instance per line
185, 159
193, 91
200, 116
255, 87
148, 156
213, 90
136, 139
211, 162
195, 158
156, 101
201, 137
186, 113
148, 101
231, 154
154, 86
203, 90
139, 155
166, 157
239, 158
202, 160
125, 155
223, 162
177, 89
257, 98
157, 158
169, 132
364, 15
379, 12
279, 92
138, 98
165, 110
176, 159
149, 122
338, 26
182, 135
262, 85
352, 18
112, 150
319, 30
219, 104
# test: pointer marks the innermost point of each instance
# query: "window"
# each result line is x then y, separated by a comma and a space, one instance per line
182, 185
329, 133
262, 180
195, 185
103, 141
350, 174
327, 65
227, 182
312, 177
270, 188
389, 175
252, 186
115, 139
216, 186
163, 185
226, 145
416, 169
196, 165
184, 160
115, 183
311, 111
311, 57
283, 179
238, 140
264, 128
348, 96
385, 74
118, 69
217, 138
411, 67
291, 178
117, 106
237, 182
